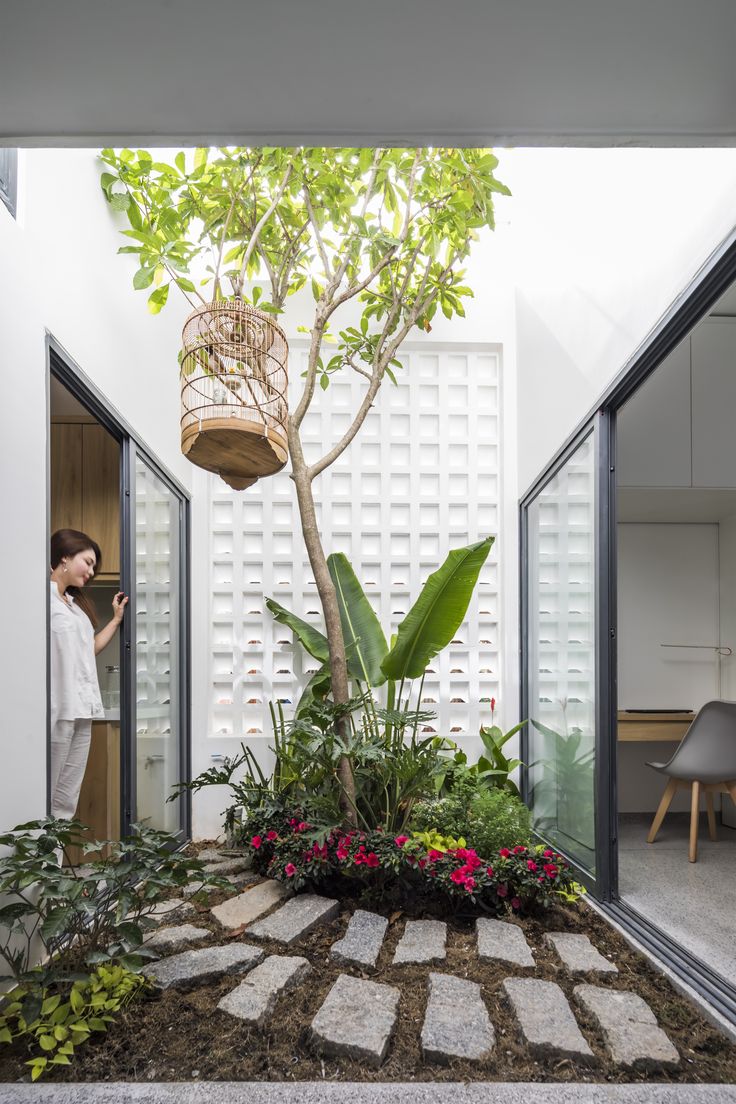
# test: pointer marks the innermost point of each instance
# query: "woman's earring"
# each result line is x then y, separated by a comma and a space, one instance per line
65, 567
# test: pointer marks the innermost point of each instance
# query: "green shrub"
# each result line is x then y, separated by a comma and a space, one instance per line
487, 819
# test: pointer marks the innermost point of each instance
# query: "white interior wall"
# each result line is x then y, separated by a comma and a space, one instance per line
668, 591
60, 273
603, 242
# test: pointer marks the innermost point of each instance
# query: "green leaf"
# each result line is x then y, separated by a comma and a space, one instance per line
365, 644
315, 690
5, 1036
119, 201
143, 278
310, 638
180, 162
200, 157
157, 299
437, 613
47, 1042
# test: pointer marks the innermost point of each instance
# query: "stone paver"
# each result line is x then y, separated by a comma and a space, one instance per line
295, 919
545, 1018
167, 909
197, 967
255, 998
356, 1020
629, 1027
578, 954
227, 866
210, 854
456, 1023
362, 941
502, 942
422, 941
248, 906
166, 940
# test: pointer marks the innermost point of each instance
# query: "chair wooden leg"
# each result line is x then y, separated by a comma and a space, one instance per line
669, 793
711, 815
694, 814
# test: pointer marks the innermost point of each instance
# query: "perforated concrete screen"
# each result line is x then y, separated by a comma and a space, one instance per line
421, 477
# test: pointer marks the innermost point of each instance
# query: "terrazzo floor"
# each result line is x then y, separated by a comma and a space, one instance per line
695, 903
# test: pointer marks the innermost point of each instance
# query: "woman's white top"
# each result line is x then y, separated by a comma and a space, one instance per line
75, 690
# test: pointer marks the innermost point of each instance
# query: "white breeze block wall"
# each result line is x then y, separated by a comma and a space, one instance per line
422, 477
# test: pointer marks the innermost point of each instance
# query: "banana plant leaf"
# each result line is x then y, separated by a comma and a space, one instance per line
310, 638
316, 689
437, 613
365, 644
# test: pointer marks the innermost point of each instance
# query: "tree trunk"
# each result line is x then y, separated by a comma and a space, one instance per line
328, 598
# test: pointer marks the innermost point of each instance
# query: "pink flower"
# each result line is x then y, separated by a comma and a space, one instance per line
519, 849
271, 836
458, 877
434, 855
359, 859
550, 870
290, 870
401, 840
341, 854
256, 842
302, 826
516, 902
293, 822
422, 864
531, 865
502, 891
548, 854
489, 871
470, 884
504, 853
373, 859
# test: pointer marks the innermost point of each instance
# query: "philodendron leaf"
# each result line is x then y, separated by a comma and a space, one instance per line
437, 613
310, 638
365, 644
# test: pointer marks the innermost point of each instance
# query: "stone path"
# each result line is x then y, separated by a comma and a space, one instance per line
358, 1017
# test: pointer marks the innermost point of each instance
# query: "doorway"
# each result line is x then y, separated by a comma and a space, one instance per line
104, 481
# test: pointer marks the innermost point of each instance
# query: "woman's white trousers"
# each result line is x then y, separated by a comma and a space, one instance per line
70, 742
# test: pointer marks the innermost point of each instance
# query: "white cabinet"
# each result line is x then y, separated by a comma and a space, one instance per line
654, 427
714, 403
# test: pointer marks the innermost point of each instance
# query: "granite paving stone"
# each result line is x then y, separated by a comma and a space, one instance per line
249, 906
210, 854
545, 1018
629, 1027
295, 919
422, 941
502, 942
255, 998
167, 909
362, 941
456, 1023
356, 1020
227, 866
168, 939
578, 954
198, 967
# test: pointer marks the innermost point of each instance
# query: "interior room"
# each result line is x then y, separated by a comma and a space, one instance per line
85, 495
676, 552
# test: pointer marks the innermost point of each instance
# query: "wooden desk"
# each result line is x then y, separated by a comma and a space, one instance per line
653, 727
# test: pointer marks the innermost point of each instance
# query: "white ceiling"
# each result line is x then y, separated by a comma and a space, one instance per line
533, 72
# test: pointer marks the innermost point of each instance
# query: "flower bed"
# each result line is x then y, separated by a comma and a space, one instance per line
525, 879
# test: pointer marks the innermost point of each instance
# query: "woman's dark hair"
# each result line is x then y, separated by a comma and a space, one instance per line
69, 542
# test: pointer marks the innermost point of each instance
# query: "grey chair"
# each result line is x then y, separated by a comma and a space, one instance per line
705, 760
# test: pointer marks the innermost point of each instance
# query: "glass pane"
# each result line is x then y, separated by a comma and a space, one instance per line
562, 633
157, 649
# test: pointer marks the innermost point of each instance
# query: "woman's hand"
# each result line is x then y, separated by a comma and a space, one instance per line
119, 603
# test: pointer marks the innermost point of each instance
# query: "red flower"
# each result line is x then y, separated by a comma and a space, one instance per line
502, 891
422, 864
373, 859
290, 870
516, 902
531, 865
293, 822
489, 871
341, 854
470, 884
434, 855
359, 858
548, 854
302, 826
256, 842
519, 849
401, 840
458, 877
550, 870
271, 836
493, 704
504, 853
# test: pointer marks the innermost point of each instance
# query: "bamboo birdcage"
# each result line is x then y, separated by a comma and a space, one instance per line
233, 392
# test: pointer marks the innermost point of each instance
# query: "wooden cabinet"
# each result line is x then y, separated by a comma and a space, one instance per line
85, 487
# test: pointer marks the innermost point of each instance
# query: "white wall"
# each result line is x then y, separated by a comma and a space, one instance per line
603, 242
668, 593
59, 272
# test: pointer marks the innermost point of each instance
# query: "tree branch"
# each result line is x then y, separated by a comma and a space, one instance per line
259, 226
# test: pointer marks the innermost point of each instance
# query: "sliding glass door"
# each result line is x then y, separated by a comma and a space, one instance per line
562, 631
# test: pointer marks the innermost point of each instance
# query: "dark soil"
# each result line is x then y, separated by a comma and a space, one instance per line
178, 1036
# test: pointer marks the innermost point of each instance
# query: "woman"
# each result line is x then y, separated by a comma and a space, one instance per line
75, 691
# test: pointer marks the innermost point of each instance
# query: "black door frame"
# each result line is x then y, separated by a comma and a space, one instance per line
704, 290
64, 368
